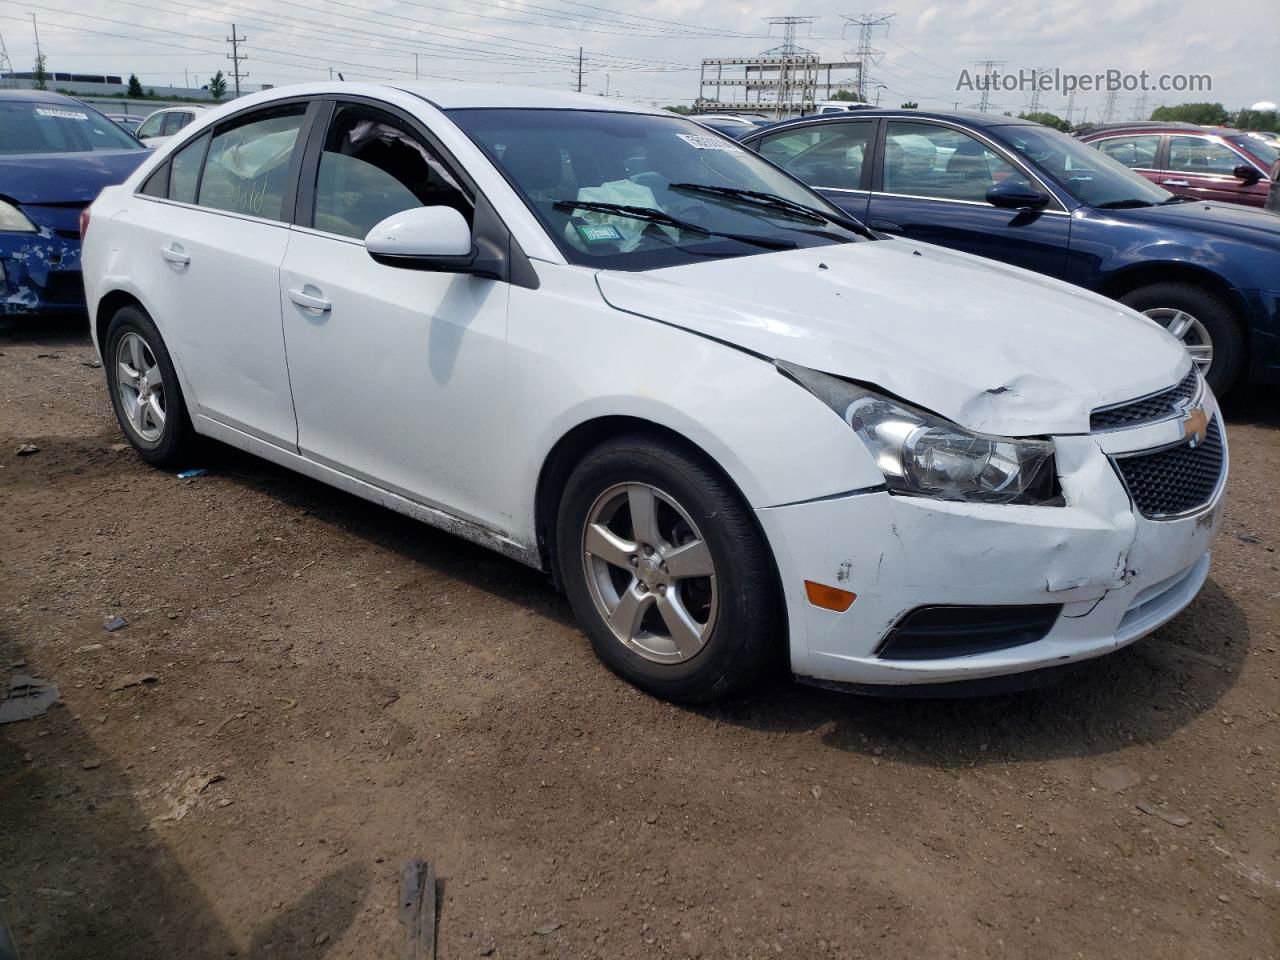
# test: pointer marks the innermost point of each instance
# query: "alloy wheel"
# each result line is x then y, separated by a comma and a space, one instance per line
140, 387
1192, 333
650, 573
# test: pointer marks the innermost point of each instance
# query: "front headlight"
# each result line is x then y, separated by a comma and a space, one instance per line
13, 220
923, 455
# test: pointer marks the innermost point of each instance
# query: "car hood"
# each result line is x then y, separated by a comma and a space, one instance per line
1232, 220
991, 347
56, 178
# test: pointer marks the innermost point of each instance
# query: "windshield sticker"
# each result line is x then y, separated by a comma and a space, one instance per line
708, 143
598, 233
64, 114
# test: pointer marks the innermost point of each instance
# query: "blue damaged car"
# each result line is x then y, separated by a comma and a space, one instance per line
56, 153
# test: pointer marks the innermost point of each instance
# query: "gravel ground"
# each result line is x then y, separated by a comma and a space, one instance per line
310, 691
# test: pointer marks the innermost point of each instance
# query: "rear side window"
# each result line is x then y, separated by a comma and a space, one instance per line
823, 155
1132, 151
185, 175
248, 166
1198, 155
372, 167
173, 122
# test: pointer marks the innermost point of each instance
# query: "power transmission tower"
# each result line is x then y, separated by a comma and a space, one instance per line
1071, 105
1109, 108
235, 56
790, 68
988, 67
1140, 109
866, 24
1035, 90
6, 65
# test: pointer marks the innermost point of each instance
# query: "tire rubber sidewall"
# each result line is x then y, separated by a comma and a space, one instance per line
176, 441
1216, 316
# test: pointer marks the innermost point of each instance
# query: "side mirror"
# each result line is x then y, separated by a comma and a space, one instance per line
1247, 173
423, 238
1016, 195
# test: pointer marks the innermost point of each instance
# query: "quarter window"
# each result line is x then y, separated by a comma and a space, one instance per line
372, 167
1197, 155
926, 160
1139, 151
184, 170
824, 155
247, 170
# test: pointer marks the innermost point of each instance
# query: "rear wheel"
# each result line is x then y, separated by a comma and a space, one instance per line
666, 570
144, 390
1205, 324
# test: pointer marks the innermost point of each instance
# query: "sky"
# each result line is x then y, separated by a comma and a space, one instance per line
650, 51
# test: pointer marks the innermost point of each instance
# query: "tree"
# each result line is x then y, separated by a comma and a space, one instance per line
1257, 120
40, 75
910, 105
135, 88
1048, 119
1208, 114
848, 96
217, 86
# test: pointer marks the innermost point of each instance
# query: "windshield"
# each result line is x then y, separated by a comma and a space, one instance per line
1260, 147
35, 127
1089, 175
689, 194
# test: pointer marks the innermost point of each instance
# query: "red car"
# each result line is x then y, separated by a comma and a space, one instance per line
1204, 163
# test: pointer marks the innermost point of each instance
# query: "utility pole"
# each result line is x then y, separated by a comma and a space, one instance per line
579, 69
988, 67
36, 29
235, 56
866, 24
415, 66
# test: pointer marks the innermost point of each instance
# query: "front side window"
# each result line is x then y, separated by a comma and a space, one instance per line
688, 190
151, 126
372, 167
1268, 151
57, 127
825, 155
927, 160
1132, 151
1088, 174
247, 168
1198, 155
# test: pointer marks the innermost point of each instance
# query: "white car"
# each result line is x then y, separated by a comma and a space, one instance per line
163, 124
610, 344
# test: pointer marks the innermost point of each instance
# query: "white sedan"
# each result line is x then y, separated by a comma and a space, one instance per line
735, 427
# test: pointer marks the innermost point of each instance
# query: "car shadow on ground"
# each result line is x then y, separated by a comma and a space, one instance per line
1257, 405
1141, 694
75, 839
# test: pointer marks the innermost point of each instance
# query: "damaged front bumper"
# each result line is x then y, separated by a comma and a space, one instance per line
40, 273
1115, 574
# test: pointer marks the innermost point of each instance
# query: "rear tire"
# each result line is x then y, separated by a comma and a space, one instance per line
683, 606
144, 389
1213, 325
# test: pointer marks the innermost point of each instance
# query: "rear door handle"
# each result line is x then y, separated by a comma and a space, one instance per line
886, 225
311, 302
175, 254
1174, 183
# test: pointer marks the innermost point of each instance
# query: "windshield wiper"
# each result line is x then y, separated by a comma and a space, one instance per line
775, 202
1124, 204
1176, 199
654, 215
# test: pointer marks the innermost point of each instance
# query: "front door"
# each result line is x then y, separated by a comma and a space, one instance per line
397, 373
1204, 168
831, 156
932, 186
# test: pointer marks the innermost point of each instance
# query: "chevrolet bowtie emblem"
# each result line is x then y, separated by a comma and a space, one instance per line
1195, 425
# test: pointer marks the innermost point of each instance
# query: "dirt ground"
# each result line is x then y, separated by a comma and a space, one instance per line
335, 690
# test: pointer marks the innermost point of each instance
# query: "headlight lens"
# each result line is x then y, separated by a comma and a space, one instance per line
13, 220
923, 455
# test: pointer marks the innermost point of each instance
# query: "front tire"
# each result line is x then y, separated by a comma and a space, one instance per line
666, 570
1202, 321
145, 392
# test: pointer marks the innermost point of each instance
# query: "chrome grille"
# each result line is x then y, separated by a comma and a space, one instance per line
1157, 406
1176, 480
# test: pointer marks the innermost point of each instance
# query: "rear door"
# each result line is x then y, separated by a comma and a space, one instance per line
931, 183
1203, 167
1140, 152
832, 156
215, 235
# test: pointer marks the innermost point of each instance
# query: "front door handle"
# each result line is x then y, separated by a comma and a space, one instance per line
310, 301
175, 254
888, 226
1174, 183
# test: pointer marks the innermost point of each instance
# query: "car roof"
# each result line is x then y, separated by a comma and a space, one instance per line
977, 120
39, 96
1157, 126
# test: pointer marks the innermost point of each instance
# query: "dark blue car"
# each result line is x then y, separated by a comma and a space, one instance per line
56, 153
1031, 196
